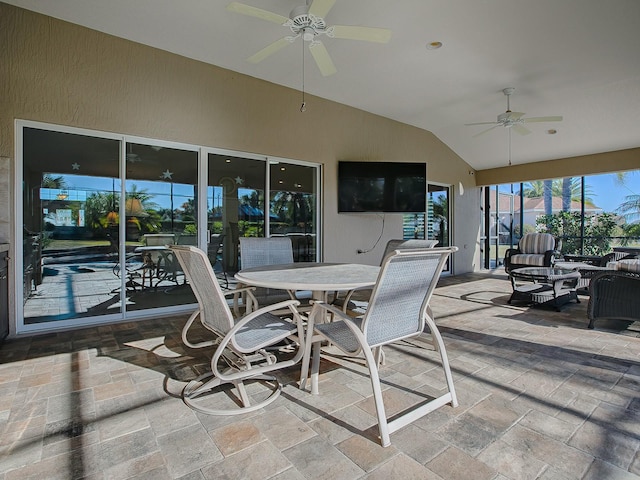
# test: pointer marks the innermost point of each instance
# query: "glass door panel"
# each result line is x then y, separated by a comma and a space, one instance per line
439, 216
235, 205
160, 209
293, 207
70, 214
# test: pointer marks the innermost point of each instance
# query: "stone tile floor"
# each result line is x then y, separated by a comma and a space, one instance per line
541, 396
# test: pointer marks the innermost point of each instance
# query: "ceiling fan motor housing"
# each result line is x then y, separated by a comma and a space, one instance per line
301, 22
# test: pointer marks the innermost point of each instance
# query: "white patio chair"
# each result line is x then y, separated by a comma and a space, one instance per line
398, 310
395, 244
262, 251
241, 345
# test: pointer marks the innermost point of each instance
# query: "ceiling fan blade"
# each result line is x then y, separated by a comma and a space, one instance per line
520, 129
485, 131
320, 8
322, 58
269, 50
481, 123
516, 115
366, 34
543, 119
243, 9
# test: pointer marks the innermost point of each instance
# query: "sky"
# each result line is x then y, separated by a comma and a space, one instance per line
608, 193
605, 190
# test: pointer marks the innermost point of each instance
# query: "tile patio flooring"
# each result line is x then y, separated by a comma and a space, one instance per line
540, 397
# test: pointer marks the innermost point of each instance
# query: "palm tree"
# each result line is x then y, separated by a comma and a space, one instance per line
536, 189
566, 193
548, 196
630, 208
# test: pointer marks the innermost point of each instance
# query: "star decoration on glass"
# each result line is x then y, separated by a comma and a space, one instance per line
75, 166
239, 180
166, 175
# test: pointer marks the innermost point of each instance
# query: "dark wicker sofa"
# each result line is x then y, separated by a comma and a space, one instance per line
614, 294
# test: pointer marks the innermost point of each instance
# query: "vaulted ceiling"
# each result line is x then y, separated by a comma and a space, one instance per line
578, 59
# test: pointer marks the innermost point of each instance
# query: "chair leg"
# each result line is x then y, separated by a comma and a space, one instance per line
206, 383
379, 355
372, 365
438, 344
242, 392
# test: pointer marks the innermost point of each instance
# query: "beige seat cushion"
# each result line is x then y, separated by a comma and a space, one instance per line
629, 265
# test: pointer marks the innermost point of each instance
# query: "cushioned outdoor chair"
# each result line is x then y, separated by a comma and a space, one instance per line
345, 302
242, 346
534, 250
398, 310
615, 293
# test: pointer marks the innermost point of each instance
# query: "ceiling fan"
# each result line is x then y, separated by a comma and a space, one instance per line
514, 120
307, 21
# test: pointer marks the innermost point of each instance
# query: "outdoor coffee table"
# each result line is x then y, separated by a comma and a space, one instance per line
587, 272
548, 286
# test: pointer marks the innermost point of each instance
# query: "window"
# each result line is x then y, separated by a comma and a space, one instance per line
98, 210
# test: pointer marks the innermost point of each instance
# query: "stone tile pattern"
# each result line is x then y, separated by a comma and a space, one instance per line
541, 396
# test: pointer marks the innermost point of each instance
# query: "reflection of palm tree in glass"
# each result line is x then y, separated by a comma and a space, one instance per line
141, 210
49, 181
440, 215
293, 208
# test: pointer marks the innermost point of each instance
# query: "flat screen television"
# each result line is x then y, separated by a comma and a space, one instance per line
382, 187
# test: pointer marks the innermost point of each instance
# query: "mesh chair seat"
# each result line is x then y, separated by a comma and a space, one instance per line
341, 335
263, 331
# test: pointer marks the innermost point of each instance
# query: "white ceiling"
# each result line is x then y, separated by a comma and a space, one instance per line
576, 58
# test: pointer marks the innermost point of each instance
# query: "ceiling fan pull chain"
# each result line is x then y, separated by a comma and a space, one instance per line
509, 131
303, 107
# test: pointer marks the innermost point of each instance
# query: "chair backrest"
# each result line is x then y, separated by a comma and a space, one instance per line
260, 251
400, 244
536, 243
215, 314
398, 305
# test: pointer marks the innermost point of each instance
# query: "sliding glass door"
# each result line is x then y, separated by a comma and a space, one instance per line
237, 189
160, 209
99, 211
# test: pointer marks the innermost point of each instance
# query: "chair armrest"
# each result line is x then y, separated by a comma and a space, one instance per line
251, 303
317, 304
550, 256
238, 290
507, 258
291, 304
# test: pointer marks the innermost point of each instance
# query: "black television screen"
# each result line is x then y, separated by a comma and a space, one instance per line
382, 187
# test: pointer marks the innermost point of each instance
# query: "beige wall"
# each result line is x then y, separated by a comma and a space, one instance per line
60, 73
